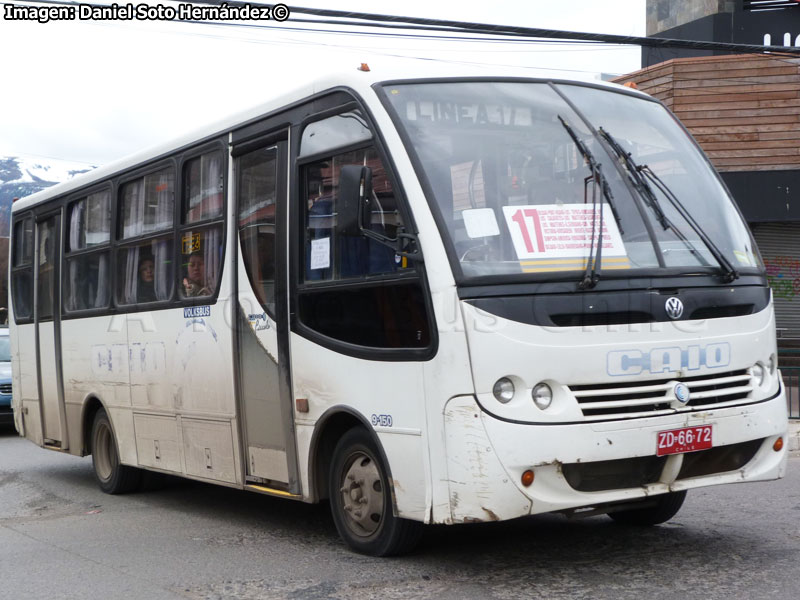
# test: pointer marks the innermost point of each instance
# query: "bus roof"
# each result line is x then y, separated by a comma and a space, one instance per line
358, 80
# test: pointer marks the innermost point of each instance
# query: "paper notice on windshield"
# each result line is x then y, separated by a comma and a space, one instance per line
320, 253
480, 222
553, 236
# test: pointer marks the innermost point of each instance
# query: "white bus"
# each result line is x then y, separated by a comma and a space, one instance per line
439, 299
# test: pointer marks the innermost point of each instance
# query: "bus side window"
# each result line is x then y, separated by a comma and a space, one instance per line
201, 240
201, 261
46, 279
87, 277
147, 209
22, 269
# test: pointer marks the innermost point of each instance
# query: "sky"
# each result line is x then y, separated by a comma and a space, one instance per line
96, 91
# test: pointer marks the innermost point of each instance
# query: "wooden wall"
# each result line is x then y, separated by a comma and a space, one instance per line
744, 110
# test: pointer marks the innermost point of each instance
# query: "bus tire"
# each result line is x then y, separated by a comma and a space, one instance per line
667, 506
361, 500
112, 476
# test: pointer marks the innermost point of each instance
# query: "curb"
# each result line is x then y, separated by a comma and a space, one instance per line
793, 435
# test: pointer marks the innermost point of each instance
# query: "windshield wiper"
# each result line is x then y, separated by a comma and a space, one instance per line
641, 176
729, 271
594, 257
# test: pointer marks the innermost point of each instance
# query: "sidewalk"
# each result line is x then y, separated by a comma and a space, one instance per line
794, 437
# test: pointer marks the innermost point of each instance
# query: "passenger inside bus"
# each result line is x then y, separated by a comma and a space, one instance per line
194, 282
145, 290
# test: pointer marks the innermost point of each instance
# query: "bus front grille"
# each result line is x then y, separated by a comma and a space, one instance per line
653, 398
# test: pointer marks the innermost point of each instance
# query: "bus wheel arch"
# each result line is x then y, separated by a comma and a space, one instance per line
91, 406
330, 428
111, 475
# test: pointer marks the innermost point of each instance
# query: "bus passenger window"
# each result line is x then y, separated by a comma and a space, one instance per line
201, 247
144, 272
203, 187
46, 279
22, 284
87, 273
147, 208
23, 243
87, 282
201, 256
21, 271
147, 203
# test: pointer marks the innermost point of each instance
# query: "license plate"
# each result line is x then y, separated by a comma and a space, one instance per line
687, 439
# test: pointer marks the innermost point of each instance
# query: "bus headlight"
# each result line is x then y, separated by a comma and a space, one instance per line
542, 395
759, 373
503, 390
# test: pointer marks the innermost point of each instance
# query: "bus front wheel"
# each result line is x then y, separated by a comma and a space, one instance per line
666, 507
112, 476
361, 501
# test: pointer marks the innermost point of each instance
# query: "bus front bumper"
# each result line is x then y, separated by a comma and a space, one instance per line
596, 464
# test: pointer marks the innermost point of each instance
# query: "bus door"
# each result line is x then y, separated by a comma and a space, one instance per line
261, 314
48, 354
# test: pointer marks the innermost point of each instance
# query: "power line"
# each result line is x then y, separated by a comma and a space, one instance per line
375, 20
507, 30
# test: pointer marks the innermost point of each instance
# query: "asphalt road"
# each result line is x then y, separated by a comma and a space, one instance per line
60, 537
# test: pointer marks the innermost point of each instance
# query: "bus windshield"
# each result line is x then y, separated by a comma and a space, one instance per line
509, 169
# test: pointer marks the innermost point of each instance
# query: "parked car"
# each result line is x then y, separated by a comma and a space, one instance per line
6, 416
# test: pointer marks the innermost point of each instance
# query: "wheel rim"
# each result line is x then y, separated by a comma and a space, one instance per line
104, 452
362, 494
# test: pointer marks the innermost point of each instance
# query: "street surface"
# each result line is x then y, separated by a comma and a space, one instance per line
60, 537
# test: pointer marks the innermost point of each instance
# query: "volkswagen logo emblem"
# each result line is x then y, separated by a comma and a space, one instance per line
681, 391
674, 308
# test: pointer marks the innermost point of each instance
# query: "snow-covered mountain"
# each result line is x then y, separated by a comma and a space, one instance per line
22, 176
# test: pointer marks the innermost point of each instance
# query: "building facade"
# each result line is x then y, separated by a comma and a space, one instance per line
744, 110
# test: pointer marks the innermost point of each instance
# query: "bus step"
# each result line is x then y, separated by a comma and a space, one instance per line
271, 491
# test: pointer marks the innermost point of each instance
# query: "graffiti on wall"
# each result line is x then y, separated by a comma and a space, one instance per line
783, 275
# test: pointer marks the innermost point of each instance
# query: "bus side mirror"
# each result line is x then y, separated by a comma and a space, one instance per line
353, 202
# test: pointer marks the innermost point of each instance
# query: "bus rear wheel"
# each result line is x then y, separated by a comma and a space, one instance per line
112, 476
361, 500
666, 507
